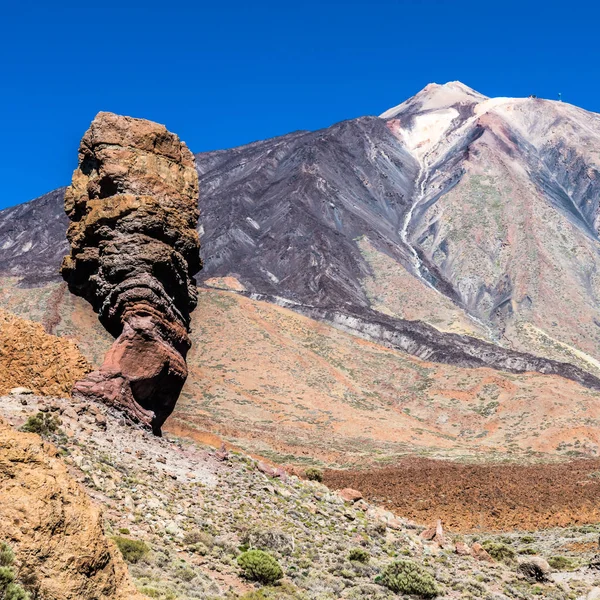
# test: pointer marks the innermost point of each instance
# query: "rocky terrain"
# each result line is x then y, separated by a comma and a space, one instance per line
133, 207
53, 527
191, 511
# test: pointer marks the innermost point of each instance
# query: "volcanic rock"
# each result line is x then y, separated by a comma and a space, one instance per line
32, 360
133, 209
535, 568
53, 527
480, 553
350, 495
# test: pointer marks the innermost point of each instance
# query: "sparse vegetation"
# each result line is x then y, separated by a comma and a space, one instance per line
564, 563
132, 550
260, 566
408, 577
42, 423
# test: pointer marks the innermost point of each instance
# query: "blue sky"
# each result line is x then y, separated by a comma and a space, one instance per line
222, 74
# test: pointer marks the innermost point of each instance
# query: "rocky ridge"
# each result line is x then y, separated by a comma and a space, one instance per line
133, 207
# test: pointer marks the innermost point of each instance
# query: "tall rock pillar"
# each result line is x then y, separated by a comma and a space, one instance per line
133, 207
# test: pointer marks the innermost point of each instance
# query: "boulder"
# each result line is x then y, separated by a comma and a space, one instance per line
34, 361
480, 553
350, 495
534, 568
20, 391
435, 533
134, 249
462, 549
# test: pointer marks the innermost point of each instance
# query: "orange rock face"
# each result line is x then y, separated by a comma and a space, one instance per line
29, 357
133, 206
53, 527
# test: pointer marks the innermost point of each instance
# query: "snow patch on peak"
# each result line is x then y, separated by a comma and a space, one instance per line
435, 96
426, 131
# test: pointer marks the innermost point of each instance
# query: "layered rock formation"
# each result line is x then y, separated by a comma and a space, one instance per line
133, 207
54, 528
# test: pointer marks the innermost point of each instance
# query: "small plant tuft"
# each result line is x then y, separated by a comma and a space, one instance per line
7, 556
9, 589
313, 474
407, 577
260, 566
132, 550
359, 555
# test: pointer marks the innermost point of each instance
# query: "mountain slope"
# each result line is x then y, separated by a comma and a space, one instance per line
478, 216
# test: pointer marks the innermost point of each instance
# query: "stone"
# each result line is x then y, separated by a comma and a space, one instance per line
480, 553
21, 391
462, 549
534, 568
593, 594
350, 495
263, 467
100, 421
134, 249
71, 413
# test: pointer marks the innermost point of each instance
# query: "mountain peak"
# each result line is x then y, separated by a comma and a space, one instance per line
435, 96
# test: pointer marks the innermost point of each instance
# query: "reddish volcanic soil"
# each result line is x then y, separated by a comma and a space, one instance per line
488, 497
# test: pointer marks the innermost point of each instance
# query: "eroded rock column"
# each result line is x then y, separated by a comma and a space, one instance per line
133, 207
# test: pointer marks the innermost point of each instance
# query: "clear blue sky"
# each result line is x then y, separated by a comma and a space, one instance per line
222, 74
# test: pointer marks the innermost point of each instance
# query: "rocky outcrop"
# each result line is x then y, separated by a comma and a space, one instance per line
53, 527
133, 207
32, 358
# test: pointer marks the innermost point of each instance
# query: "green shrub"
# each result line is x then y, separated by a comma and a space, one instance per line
7, 576
563, 563
313, 474
198, 537
527, 539
7, 556
260, 566
359, 555
42, 423
407, 577
132, 550
124, 531
185, 573
15, 592
499, 551
9, 590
